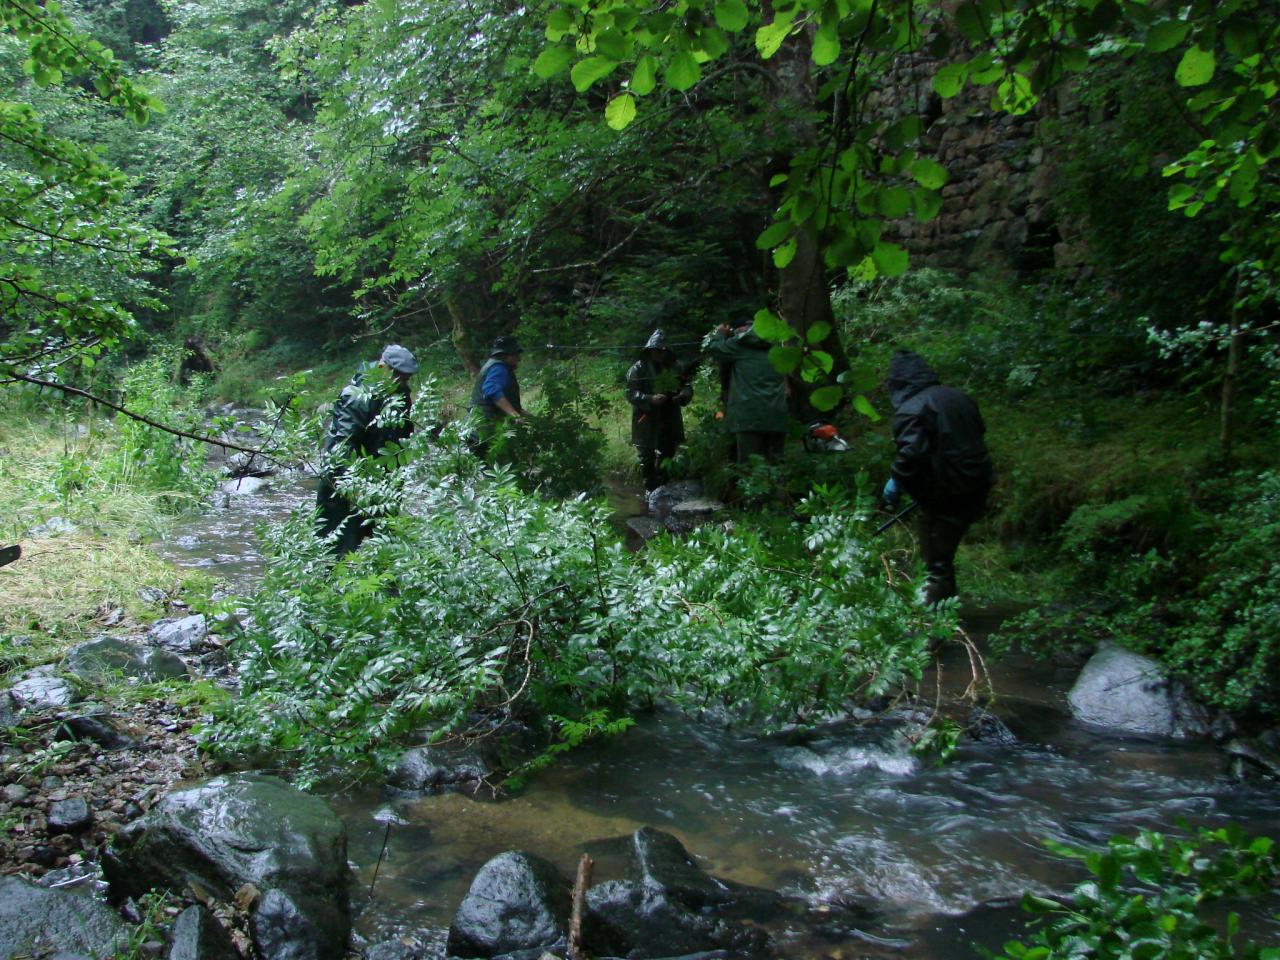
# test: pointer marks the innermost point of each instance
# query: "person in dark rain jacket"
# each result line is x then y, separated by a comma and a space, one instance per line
942, 462
656, 394
354, 432
756, 408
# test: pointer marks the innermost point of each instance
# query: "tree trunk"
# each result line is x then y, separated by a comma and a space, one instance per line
804, 286
1235, 352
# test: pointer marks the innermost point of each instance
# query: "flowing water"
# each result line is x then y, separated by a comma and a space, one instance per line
879, 854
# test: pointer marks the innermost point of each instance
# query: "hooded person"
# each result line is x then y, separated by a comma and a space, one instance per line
656, 393
756, 406
356, 430
941, 461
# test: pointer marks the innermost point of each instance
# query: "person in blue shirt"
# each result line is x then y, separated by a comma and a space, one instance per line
496, 393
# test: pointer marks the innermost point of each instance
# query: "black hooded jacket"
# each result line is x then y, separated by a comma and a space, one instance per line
942, 456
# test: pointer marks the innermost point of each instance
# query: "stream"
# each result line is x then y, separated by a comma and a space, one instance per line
879, 854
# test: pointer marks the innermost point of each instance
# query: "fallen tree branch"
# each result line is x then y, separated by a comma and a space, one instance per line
77, 392
577, 949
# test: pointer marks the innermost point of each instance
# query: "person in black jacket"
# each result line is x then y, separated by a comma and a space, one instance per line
355, 431
942, 462
656, 391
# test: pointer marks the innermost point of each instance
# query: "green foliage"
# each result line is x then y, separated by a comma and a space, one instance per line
1147, 899
72, 258
152, 458
475, 602
557, 449
1196, 589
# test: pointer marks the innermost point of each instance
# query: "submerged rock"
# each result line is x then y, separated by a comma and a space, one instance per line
36, 921
517, 902
1131, 693
231, 831
108, 657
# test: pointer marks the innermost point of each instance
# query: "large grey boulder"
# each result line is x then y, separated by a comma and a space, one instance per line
183, 635
36, 921
227, 832
108, 657
1130, 693
517, 902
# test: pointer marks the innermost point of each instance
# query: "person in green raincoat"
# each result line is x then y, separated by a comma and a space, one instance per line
756, 409
656, 393
354, 432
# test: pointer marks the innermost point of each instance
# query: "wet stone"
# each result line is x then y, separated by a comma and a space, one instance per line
434, 768
107, 657
182, 635
70, 816
35, 921
197, 935
1132, 694
98, 730
43, 691
517, 902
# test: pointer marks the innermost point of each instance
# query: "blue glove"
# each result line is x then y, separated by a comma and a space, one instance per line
892, 494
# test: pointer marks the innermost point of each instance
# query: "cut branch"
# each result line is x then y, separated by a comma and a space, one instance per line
77, 392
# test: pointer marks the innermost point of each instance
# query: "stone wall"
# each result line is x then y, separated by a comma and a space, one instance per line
998, 211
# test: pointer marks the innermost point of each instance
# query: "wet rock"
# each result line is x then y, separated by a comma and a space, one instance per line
97, 729
396, 949
988, 728
640, 530
659, 860
35, 921
107, 657
152, 595
70, 816
1253, 758
43, 690
1131, 693
182, 635
434, 768
669, 906
696, 507
227, 832
8, 710
197, 935
244, 486
517, 902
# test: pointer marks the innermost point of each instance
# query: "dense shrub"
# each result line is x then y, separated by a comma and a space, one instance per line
476, 602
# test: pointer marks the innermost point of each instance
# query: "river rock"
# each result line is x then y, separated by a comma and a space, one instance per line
8, 710
517, 902
1253, 758
669, 906
199, 936
69, 816
182, 635
244, 486
35, 921
433, 768
231, 831
40, 690
1131, 693
106, 657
